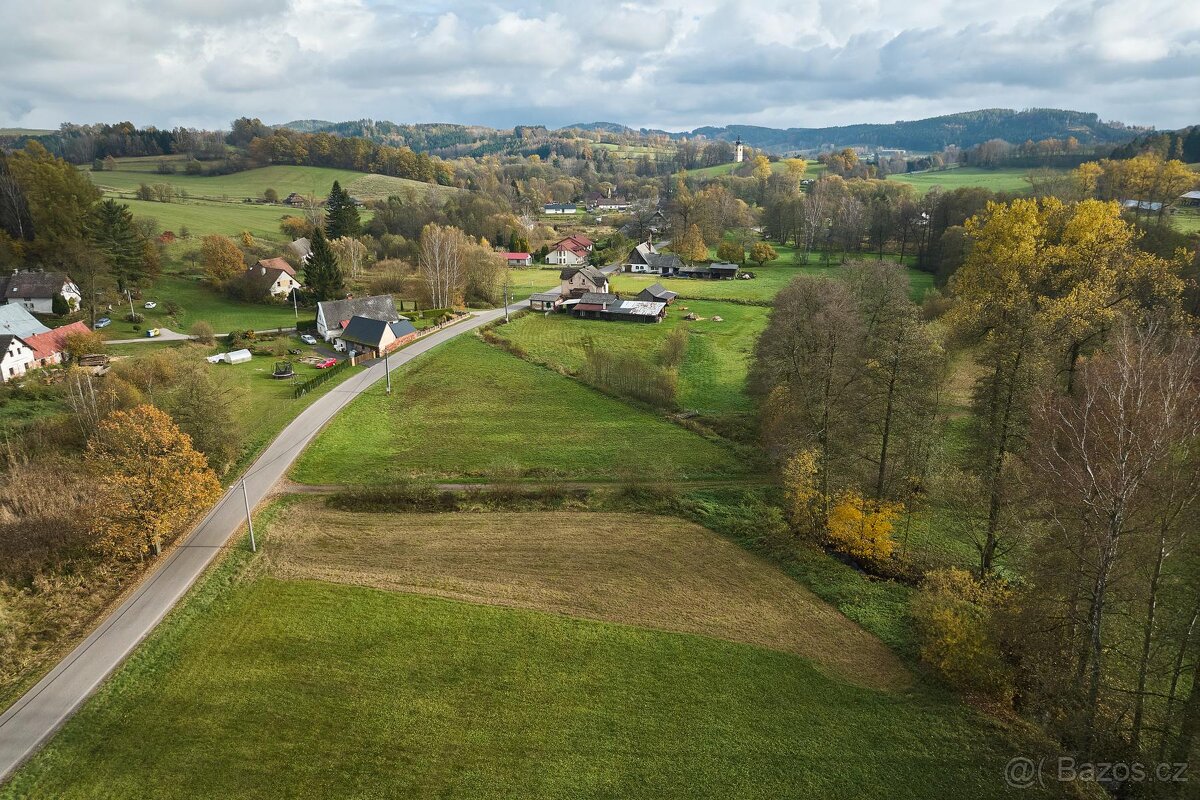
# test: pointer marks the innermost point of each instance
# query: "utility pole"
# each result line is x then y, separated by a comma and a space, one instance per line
130, 298
506, 299
249, 521
295, 306
387, 371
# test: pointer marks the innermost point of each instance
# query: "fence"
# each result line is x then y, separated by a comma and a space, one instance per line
318, 379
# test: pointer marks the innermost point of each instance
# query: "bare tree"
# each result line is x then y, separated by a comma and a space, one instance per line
441, 261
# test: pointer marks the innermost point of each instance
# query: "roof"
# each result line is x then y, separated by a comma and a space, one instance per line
364, 330
638, 308
596, 276
33, 284
47, 344
17, 321
277, 263
378, 307
663, 260
302, 247
1144, 205
610, 269
657, 290
723, 265
598, 298
403, 328
560, 206
6, 341
1190, 195
578, 239
545, 296
515, 256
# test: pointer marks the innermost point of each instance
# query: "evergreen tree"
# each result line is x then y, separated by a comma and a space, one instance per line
122, 247
341, 215
322, 275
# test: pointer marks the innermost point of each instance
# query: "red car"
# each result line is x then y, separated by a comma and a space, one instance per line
327, 363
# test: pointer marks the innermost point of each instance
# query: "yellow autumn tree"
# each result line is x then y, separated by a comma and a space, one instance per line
691, 247
862, 528
954, 614
151, 481
801, 489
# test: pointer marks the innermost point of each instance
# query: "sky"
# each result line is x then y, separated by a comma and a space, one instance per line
674, 64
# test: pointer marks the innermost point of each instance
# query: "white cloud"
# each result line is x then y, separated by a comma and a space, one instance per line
658, 63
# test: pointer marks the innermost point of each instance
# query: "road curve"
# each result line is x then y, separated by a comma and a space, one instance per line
32, 719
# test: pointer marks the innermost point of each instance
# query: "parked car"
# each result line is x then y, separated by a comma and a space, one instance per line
308, 338
327, 363
152, 332
103, 322
150, 304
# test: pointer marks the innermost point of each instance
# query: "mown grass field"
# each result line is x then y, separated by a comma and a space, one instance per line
998, 180
712, 375
640, 569
301, 688
470, 410
202, 217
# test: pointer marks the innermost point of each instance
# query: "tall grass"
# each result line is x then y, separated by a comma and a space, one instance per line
629, 376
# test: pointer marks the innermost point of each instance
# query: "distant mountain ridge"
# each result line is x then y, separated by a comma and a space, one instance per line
963, 130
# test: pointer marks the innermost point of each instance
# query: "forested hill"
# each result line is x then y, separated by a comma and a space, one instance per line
965, 130
1183, 144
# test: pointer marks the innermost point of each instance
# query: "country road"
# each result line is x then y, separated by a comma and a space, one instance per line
34, 717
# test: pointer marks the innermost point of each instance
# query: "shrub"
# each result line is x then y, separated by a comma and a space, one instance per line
954, 615
862, 528
172, 308
203, 333
134, 317
59, 305
674, 347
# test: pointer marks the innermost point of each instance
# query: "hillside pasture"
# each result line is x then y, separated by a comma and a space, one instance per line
998, 180
468, 410
203, 217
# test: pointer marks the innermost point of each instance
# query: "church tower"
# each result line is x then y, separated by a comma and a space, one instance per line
740, 153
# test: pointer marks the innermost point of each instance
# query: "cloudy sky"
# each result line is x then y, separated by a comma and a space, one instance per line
675, 64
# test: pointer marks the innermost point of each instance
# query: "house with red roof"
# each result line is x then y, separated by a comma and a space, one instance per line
572, 251
275, 276
48, 347
518, 259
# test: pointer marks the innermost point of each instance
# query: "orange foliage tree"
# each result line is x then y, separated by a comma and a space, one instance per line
151, 480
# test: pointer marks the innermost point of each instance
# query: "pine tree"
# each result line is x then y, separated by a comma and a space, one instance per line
111, 230
322, 276
341, 215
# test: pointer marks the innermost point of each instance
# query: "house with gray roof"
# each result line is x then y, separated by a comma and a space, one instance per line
35, 290
657, 293
371, 338
576, 281
334, 315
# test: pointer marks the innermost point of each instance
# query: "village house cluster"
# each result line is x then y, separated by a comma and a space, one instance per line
25, 343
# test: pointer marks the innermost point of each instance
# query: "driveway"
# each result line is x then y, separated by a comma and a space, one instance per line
168, 335
36, 715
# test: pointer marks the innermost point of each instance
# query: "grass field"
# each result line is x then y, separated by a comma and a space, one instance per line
470, 410
262, 686
770, 279
650, 571
713, 373
206, 216
998, 180
1187, 220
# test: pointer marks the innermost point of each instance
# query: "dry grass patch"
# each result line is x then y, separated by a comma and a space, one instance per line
656, 572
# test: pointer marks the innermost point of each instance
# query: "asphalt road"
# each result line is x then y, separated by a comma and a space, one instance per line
30, 721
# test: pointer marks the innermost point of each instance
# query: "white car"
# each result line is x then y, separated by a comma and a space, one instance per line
308, 338
150, 304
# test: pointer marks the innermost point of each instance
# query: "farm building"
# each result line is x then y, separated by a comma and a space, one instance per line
610, 204
715, 271
545, 301
48, 347
1141, 205
577, 281
276, 277
1190, 199
334, 315
657, 293
559, 208
16, 321
603, 305
371, 338
16, 357
35, 291
645, 259
518, 259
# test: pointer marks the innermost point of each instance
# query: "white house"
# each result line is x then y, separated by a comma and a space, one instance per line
277, 277
572, 251
16, 356
577, 282
518, 259
560, 208
35, 291
334, 315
